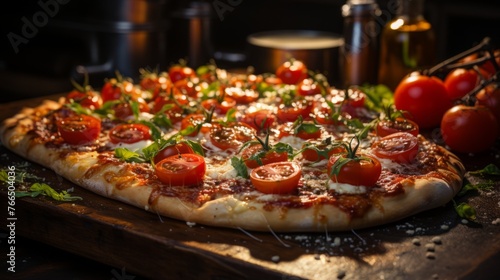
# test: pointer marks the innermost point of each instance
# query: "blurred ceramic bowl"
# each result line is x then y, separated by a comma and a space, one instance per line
319, 50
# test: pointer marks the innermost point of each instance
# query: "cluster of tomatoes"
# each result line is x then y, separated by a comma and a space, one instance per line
461, 96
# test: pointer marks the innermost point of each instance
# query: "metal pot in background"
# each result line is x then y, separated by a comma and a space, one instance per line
122, 35
320, 51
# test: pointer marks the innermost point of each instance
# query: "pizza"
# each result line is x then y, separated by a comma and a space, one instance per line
282, 152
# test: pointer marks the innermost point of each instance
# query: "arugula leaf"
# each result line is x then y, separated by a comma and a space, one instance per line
240, 167
476, 187
44, 189
21, 176
465, 211
490, 169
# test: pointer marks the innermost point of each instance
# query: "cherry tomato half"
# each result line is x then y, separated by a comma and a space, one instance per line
87, 99
469, 129
175, 149
276, 178
291, 113
79, 129
181, 170
180, 72
129, 133
292, 72
308, 87
363, 171
425, 98
401, 147
268, 157
260, 120
386, 127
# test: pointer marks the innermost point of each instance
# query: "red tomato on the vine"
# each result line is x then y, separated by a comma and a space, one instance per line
460, 81
469, 129
490, 97
424, 98
292, 72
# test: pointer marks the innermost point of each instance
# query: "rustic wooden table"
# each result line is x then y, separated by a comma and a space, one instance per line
98, 238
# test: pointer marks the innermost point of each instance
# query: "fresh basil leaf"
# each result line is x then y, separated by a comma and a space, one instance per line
240, 167
128, 155
197, 148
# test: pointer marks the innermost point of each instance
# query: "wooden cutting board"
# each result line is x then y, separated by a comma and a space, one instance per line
436, 244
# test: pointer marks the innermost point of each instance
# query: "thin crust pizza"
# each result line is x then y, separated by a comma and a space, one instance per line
239, 151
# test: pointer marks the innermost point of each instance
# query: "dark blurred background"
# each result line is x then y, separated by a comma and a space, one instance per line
45, 43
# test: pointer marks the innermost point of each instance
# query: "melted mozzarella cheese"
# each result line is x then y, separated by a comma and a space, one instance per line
137, 146
293, 141
346, 188
221, 171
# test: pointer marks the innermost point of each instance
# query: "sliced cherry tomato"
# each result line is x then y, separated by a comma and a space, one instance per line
196, 120
490, 97
460, 81
111, 91
261, 120
386, 127
361, 171
292, 72
314, 150
79, 129
308, 87
224, 138
304, 130
186, 87
267, 156
154, 82
88, 99
129, 133
220, 106
172, 150
242, 96
114, 88
181, 170
354, 98
276, 178
425, 98
175, 111
290, 113
231, 135
180, 72
469, 129
401, 147
124, 110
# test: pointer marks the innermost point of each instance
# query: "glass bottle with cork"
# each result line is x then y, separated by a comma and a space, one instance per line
407, 44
